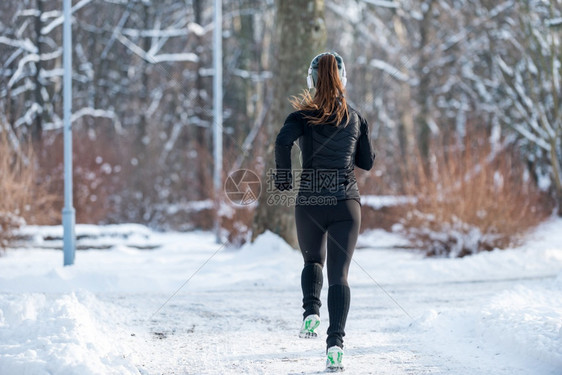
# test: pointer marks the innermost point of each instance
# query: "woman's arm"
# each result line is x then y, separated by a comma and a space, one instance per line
364, 155
289, 133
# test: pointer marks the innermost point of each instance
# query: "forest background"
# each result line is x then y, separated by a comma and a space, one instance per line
463, 98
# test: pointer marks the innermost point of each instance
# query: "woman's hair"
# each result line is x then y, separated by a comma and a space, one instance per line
328, 102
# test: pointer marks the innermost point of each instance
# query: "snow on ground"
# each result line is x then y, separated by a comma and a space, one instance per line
185, 305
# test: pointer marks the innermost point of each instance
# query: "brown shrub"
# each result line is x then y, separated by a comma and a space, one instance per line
471, 197
97, 164
116, 179
381, 181
24, 198
238, 224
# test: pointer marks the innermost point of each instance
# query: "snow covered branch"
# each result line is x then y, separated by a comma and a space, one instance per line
29, 115
382, 3
155, 59
554, 22
59, 20
25, 44
389, 69
169, 57
18, 74
87, 111
192, 27
254, 76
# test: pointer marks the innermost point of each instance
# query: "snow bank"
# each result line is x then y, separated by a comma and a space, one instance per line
380, 201
527, 321
87, 230
539, 256
380, 238
57, 335
521, 326
89, 237
268, 261
499, 310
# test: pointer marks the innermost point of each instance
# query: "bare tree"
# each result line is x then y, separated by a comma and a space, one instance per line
142, 78
529, 81
300, 34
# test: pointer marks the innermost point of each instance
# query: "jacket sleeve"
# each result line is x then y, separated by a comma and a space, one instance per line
364, 155
289, 133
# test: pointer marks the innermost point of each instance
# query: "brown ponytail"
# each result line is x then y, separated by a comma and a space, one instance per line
329, 101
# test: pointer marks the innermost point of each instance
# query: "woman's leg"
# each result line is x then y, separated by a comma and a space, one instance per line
311, 235
342, 238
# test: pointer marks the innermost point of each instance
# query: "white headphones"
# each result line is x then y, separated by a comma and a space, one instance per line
314, 66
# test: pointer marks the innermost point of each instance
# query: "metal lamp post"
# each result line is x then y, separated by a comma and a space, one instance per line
68, 212
217, 112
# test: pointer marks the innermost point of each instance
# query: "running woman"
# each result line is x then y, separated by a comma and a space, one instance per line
333, 139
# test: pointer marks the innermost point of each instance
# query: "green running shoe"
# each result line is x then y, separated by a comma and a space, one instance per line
334, 359
309, 324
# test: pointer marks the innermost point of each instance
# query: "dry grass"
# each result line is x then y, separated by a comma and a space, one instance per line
97, 171
470, 198
24, 198
383, 180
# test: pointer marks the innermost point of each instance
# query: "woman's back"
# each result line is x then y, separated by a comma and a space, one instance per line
329, 154
331, 147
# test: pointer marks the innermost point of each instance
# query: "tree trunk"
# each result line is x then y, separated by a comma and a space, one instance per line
202, 137
202, 133
557, 173
407, 132
424, 82
37, 129
300, 35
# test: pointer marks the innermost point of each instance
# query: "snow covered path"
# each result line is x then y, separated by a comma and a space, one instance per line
495, 313
234, 335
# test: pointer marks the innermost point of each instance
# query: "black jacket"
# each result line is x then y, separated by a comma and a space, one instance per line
329, 155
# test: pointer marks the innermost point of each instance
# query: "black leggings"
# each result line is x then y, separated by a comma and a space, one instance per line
335, 229
336, 226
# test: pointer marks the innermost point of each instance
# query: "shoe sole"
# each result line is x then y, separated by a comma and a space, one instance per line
335, 369
310, 334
